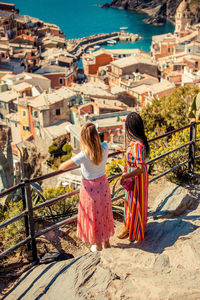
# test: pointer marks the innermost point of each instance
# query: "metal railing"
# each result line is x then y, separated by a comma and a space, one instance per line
28, 208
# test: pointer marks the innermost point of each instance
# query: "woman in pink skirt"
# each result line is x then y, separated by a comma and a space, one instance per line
95, 219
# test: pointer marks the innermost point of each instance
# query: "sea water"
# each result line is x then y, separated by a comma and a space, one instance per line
81, 18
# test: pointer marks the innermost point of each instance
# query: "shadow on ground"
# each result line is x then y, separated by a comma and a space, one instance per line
160, 235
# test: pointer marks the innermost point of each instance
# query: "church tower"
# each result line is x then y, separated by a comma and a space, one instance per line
182, 17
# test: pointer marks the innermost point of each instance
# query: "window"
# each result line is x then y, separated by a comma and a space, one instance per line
5, 105
58, 112
36, 124
26, 128
35, 114
196, 64
23, 113
0, 104
61, 80
169, 50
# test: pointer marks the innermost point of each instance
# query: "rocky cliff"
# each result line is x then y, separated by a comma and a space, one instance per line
158, 10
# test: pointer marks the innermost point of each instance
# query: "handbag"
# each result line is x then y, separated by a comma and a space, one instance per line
129, 184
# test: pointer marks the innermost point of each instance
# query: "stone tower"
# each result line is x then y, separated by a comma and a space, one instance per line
183, 16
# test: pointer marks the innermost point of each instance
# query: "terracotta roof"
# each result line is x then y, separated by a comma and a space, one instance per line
26, 37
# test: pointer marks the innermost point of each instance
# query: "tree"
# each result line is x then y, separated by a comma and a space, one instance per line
171, 111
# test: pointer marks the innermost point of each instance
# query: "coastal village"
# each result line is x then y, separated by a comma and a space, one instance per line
50, 86
44, 95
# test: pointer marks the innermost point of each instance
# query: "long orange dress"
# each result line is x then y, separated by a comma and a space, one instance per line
136, 200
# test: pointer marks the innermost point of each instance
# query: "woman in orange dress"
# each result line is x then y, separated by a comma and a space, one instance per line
136, 200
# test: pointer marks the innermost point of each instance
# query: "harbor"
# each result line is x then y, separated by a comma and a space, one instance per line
77, 47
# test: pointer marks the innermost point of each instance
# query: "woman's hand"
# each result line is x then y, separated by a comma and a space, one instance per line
67, 165
121, 149
122, 180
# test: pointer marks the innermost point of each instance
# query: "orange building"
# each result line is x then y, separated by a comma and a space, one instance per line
92, 61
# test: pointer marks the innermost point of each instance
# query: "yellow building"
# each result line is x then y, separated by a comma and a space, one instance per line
24, 120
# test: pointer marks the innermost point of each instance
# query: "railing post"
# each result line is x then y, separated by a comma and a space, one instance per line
30, 219
192, 147
26, 217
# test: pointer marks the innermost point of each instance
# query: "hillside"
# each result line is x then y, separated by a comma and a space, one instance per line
158, 10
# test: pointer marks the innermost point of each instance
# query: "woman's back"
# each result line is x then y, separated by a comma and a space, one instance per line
88, 169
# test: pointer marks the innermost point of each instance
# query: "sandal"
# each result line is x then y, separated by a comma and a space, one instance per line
123, 234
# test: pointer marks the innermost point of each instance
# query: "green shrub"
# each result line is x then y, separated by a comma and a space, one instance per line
67, 148
66, 157
52, 149
57, 162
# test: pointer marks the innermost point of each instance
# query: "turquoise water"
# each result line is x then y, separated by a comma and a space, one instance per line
78, 18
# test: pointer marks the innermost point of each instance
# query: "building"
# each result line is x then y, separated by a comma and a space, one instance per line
144, 94
109, 125
40, 82
183, 17
129, 65
92, 61
37, 115
59, 76
163, 45
8, 24
7, 105
50, 29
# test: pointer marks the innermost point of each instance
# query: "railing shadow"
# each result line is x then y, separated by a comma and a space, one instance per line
160, 235
36, 280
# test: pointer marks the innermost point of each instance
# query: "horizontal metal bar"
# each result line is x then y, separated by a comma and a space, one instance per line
118, 197
55, 200
168, 171
114, 177
11, 220
197, 157
52, 174
168, 153
8, 251
47, 176
169, 133
197, 140
55, 226
11, 189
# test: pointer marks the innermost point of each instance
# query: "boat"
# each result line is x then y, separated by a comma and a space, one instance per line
97, 47
112, 42
123, 28
91, 49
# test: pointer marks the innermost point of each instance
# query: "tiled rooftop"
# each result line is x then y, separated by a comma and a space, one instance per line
131, 60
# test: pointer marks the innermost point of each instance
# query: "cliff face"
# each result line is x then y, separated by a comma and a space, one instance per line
159, 10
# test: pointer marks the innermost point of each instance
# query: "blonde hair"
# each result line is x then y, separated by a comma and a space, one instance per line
90, 143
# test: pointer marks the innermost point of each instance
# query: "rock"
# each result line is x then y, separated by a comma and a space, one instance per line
159, 10
173, 201
106, 5
162, 262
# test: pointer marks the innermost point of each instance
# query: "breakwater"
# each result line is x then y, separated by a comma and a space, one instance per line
77, 47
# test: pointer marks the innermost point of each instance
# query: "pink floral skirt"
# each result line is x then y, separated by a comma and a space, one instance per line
95, 218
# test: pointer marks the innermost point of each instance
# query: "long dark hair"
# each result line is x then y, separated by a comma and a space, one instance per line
135, 128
